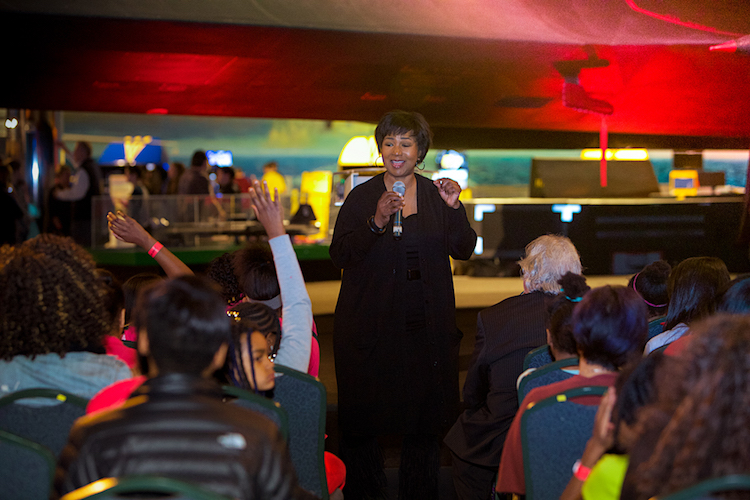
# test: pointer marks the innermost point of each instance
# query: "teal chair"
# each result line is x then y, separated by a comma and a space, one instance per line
554, 432
706, 489
547, 374
47, 425
536, 358
304, 399
27, 469
269, 409
141, 487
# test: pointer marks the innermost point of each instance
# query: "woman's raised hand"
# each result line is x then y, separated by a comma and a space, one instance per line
449, 191
268, 211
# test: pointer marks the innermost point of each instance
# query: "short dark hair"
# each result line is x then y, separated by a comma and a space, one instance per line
256, 272
401, 122
610, 326
693, 286
651, 284
185, 321
561, 312
199, 158
132, 287
735, 298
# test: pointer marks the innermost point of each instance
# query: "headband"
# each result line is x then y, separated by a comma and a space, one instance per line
274, 302
639, 293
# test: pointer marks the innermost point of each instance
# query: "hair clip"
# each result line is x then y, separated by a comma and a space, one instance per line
576, 299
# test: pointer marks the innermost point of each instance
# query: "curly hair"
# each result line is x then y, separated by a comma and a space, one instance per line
561, 312
547, 259
51, 301
221, 271
708, 398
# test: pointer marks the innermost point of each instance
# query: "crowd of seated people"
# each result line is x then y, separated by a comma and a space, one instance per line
672, 347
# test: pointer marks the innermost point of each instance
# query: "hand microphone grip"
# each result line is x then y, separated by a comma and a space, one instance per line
398, 229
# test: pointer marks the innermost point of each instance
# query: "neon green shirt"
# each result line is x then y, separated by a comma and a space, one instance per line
605, 480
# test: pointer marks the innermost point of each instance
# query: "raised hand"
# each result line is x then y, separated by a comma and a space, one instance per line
449, 191
267, 210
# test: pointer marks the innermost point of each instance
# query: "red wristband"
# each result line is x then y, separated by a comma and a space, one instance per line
155, 249
581, 472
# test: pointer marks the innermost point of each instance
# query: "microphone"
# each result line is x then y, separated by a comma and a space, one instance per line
400, 189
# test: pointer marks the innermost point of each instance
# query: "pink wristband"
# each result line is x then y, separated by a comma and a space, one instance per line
580, 471
155, 249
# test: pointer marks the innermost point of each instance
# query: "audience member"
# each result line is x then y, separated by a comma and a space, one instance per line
692, 287
221, 271
195, 180
651, 285
131, 288
605, 458
506, 332
562, 344
176, 424
297, 349
114, 303
698, 428
52, 320
736, 298
249, 367
610, 330
733, 299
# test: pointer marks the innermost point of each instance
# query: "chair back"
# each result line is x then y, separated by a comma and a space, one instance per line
655, 327
536, 358
142, 487
304, 399
269, 409
706, 489
547, 374
27, 469
554, 432
47, 425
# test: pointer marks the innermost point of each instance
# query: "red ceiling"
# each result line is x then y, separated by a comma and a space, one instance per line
497, 91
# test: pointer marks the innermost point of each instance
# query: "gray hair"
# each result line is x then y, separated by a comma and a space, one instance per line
547, 259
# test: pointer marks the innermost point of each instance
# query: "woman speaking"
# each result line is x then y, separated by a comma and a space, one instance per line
395, 336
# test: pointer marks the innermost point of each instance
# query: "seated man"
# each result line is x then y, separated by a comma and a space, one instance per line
176, 424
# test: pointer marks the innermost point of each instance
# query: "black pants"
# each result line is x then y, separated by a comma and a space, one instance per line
472, 481
418, 473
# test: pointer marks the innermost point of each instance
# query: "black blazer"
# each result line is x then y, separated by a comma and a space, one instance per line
506, 332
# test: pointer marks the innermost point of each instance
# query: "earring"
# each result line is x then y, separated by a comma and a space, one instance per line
420, 165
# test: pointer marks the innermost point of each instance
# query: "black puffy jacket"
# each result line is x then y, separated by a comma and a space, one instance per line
176, 425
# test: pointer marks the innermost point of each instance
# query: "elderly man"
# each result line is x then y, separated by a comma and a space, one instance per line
506, 332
